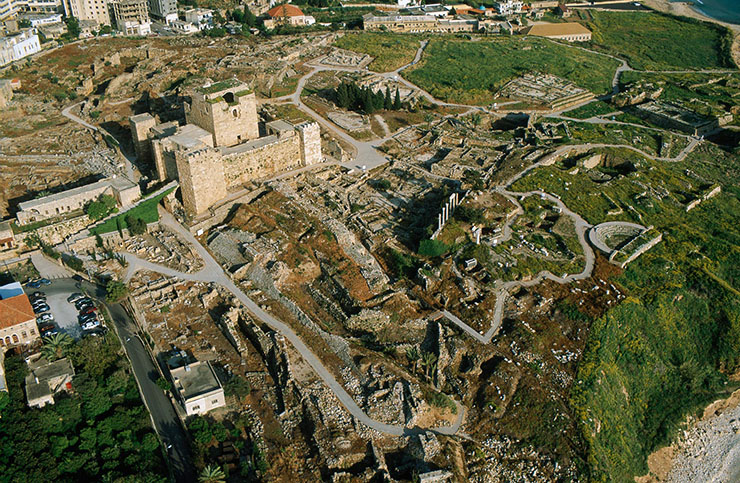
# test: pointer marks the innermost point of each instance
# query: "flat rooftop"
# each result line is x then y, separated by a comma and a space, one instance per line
189, 136
250, 145
141, 117
195, 379
552, 29
98, 185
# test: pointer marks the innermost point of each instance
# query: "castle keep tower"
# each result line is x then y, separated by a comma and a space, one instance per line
140, 125
227, 110
310, 146
201, 179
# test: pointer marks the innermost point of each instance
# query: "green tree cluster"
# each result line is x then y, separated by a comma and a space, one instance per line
136, 226
432, 248
98, 432
73, 28
102, 207
348, 95
245, 17
115, 291
469, 214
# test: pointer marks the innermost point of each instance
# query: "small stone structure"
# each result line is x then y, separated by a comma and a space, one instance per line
6, 92
673, 116
548, 90
220, 147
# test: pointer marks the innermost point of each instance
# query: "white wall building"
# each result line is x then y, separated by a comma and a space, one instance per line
38, 20
198, 387
509, 7
8, 9
89, 10
184, 27
18, 46
200, 17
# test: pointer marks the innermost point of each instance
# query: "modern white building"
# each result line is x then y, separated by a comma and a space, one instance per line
16, 47
509, 7
88, 10
39, 20
200, 17
184, 27
8, 9
198, 387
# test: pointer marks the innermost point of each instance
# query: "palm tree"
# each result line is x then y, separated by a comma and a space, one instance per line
412, 354
212, 474
428, 362
56, 346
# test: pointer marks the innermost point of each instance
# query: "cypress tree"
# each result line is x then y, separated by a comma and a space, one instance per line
397, 101
388, 103
378, 99
343, 98
367, 102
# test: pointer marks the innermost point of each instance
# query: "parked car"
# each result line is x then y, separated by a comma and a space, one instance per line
86, 301
41, 308
34, 284
44, 281
93, 324
38, 302
88, 310
75, 297
86, 318
38, 294
45, 329
96, 332
47, 317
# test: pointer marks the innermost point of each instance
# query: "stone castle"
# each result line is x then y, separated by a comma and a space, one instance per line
220, 147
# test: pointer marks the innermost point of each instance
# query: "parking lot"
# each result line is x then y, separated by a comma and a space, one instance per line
65, 313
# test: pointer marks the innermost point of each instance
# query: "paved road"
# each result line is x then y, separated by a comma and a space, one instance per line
47, 268
212, 272
66, 112
166, 421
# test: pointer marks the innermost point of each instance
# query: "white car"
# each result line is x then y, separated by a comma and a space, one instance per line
91, 325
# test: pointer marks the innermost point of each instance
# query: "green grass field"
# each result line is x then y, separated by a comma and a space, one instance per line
595, 108
147, 211
391, 51
471, 72
653, 41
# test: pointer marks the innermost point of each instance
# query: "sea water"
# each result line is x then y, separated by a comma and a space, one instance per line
724, 10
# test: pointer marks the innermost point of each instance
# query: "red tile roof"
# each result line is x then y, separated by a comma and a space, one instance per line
15, 310
285, 11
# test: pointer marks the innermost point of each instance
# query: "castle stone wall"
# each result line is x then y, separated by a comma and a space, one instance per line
272, 157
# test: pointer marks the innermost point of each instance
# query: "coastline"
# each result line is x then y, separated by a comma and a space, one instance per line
684, 9
707, 450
